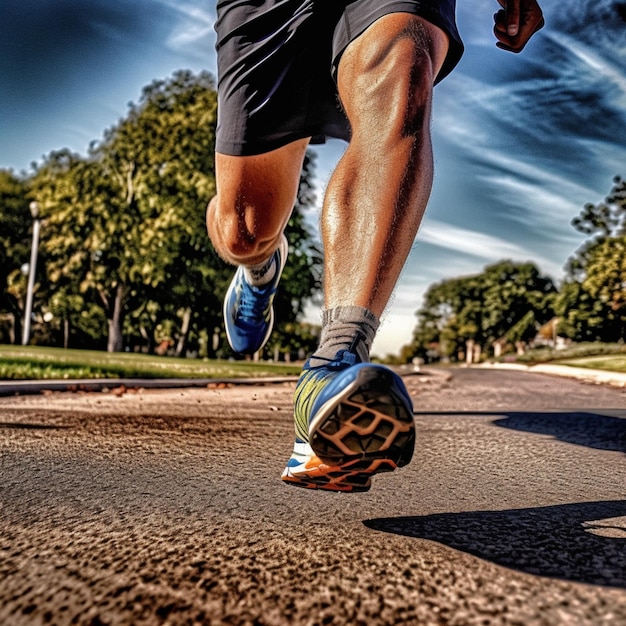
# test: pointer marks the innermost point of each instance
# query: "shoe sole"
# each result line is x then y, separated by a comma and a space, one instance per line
306, 469
367, 429
317, 475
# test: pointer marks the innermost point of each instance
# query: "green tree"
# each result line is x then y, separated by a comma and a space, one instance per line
592, 303
511, 292
450, 316
127, 222
506, 301
161, 162
15, 224
605, 276
581, 316
67, 187
301, 279
607, 218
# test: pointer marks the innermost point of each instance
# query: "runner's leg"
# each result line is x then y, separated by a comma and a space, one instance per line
354, 419
378, 193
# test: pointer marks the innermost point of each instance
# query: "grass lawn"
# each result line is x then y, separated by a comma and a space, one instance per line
591, 355
36, 362
613, 363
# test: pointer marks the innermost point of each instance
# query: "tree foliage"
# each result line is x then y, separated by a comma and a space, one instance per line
301, 279
592, 303
15, 223
506, 301
509, 302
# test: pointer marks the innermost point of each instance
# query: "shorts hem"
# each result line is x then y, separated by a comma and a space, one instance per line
248, 148
356, 29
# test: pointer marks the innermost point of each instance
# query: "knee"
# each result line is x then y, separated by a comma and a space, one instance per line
237, 234
222, 230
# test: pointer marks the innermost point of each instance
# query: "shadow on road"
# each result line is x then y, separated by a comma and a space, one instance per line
602, 432
583, 542
29, 426
593, 430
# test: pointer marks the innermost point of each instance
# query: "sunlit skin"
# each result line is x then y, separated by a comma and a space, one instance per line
256, 195
378, 193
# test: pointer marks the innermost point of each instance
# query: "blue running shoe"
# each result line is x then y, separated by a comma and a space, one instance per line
248, 311
352, 420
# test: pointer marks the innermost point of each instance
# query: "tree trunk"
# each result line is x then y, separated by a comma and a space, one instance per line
148, 338
469, 351
12, 335
184, 331
115, 342
16, 327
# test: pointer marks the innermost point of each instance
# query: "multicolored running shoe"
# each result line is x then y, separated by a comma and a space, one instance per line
352, 420
248, 311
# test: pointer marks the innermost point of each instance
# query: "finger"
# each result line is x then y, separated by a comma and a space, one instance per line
529, 22
512, 17
499, 20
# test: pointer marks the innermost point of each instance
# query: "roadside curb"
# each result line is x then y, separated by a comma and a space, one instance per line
615, 379
31, 387
27, 387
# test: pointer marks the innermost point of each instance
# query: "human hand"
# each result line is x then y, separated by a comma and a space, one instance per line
516, 22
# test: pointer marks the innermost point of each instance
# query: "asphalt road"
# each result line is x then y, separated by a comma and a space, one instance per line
166, 507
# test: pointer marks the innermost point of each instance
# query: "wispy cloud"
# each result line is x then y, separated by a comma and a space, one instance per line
547, 195
594, 60
473, 243
195, 24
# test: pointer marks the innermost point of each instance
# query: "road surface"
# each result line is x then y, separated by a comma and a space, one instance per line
165, 507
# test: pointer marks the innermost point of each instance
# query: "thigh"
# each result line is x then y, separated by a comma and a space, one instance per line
360, 15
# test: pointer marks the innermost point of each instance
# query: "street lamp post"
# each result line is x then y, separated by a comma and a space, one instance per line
32, 270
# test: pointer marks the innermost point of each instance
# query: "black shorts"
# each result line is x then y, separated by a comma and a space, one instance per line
277, 62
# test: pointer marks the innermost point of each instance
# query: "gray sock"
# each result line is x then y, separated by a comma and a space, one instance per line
262, 273
346, 328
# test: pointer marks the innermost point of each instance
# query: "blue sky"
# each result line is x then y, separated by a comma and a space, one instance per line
522, 142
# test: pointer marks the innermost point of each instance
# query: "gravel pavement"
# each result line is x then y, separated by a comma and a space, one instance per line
165, 507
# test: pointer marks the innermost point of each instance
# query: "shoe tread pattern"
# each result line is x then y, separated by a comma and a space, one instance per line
371, 423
